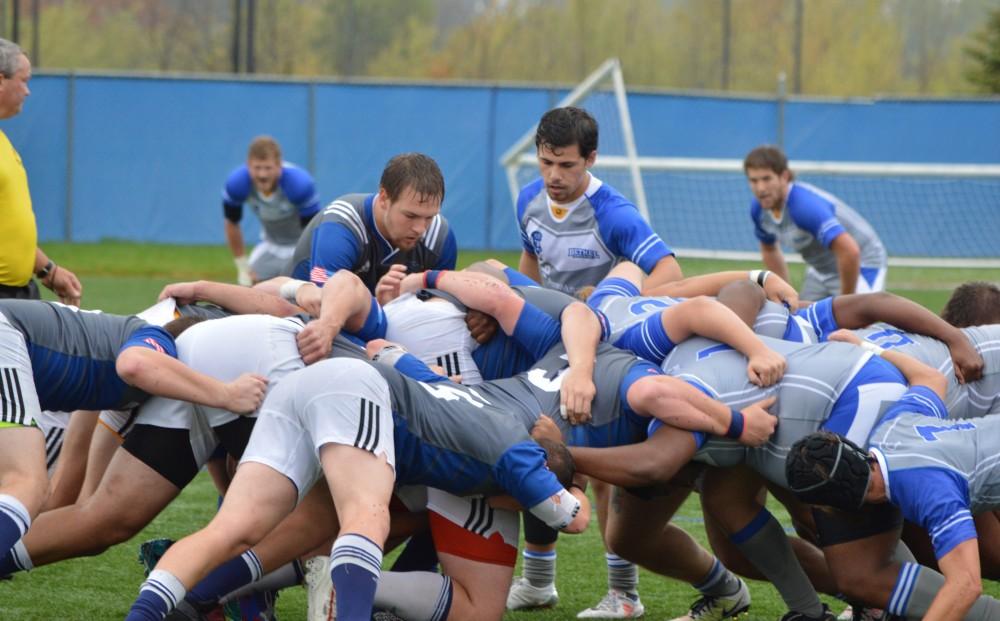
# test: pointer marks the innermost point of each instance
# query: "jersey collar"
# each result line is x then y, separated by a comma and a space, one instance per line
383, 243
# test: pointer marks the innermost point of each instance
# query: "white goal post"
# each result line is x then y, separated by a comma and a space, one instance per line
928, 215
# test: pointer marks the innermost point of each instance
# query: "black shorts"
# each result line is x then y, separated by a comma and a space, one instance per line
834, 526
169, 453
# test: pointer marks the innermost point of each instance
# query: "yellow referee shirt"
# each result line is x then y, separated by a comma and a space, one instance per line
18, 234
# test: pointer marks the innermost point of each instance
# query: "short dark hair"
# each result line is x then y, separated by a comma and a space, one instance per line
177, 327
415, 171
768, 157
559, 461
973, 304
564, 127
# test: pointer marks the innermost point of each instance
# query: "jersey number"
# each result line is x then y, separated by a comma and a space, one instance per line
889, 338
929, 432
448, 392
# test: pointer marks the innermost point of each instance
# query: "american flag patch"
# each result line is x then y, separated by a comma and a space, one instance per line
152, 342
319, 275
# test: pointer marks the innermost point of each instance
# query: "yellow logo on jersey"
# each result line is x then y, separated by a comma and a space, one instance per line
558, 212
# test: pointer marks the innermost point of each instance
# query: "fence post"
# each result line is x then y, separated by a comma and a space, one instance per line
70, 130
780, 100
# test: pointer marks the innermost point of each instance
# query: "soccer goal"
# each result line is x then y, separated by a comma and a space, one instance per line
928, 215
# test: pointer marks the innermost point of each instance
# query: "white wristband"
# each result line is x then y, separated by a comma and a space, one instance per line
873, 348
290, 289
758, 276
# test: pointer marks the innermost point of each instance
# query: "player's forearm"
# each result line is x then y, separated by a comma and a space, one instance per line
242, 300
665, 271
484, 293
159, 374
345, 301
859, 310
774, 260
848, 262
234, 238
581, 332
679, 404
528, 265
962, 583
692, 286
705, 317
917, 373
633, 465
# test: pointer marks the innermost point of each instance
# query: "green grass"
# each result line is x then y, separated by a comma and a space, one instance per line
125, 277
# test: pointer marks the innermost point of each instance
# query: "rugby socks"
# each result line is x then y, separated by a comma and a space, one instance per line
622, 575
158, 595
289, 574
539, 568
915, 589
14, 522
764, 542
16, 559
719, 582
231, 575
408, 595
355, 565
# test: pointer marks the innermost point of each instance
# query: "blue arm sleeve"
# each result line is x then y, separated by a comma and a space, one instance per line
412, 367
936, 499
756, 213
449, 253
815, 214
300, 188
917, 400
517, 279
820, 317
152, 337
536, 332
375, 324
628, 235
334, 247
237, 187
647, 339
521, 471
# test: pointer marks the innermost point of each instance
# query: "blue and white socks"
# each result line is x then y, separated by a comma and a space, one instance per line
355, 566
158, 595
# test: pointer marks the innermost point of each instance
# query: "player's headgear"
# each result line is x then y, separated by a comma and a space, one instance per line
828, 469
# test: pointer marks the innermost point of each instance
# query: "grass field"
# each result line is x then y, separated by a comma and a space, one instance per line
123, 278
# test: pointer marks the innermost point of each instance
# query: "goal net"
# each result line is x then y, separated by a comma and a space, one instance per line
933, 215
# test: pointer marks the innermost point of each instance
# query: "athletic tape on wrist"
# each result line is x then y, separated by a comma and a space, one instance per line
290, 289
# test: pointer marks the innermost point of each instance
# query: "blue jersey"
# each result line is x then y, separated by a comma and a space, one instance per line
938, 472
577, 245
810, 220
282, 212
344, 237
73, 353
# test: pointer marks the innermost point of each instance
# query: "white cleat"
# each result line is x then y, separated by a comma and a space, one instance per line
321, 600
523, 595
616, 604
709, 608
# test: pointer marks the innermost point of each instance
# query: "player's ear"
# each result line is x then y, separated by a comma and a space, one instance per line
591, 159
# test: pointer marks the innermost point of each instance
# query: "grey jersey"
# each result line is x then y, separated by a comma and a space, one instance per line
625, 312
963, 400
374, 257
789, 234
813, 382
73, 353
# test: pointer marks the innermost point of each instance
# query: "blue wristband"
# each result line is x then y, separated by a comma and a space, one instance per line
431, 278
735, 425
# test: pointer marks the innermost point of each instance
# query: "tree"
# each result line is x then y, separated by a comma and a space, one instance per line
986, 54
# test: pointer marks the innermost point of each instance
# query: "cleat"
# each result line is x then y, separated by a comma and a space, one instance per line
709, 608
151, 551
616, 604
523, 595
321, 599
826, 615
258, 606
